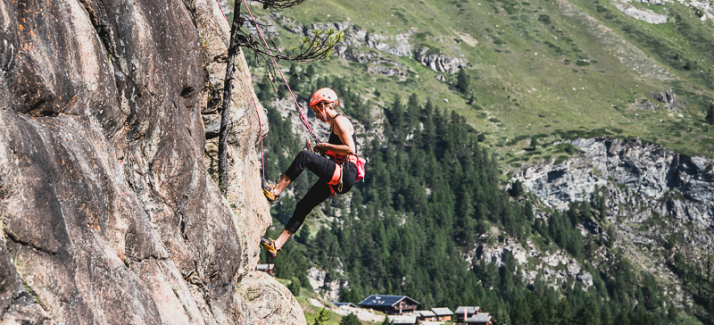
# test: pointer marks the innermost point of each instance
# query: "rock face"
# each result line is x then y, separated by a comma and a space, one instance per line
269, 300
356, 37
553, 268
642, 14
108, 213
640, 181
439, 62
326, 284
670, 100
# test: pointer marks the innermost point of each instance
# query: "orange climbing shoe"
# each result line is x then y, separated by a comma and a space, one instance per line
268, 192
269, 246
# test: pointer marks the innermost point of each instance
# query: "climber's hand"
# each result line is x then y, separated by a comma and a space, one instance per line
320, 147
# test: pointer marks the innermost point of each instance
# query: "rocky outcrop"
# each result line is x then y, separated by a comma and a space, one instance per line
553, 268
439, 62
357, 37
387, 71
271, 302
108, 213
642, 14
670, 100
640, 181
326, 284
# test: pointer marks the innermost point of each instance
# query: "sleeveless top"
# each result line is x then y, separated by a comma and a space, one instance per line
335, 139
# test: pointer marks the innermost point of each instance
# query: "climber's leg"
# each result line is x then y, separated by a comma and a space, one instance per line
316, 195
282, 185
319, 165
284, 236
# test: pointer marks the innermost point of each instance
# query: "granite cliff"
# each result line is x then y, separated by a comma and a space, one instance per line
640, 182
108, 209
658, 203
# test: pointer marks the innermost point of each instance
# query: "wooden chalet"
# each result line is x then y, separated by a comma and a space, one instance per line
480, 319
443, 314
425, 315
404, 320
391, 305
464, 312
344, 304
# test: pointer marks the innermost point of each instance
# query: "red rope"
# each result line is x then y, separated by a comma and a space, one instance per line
302, 115
224, 14
303, 118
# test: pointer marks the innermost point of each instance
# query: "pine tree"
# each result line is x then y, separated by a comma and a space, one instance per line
462, 81
710, 114
521, 312
322, 317
310, 71
294, 79
622, 318
589, 314
564, 312
295, 287
267, 90
534, 143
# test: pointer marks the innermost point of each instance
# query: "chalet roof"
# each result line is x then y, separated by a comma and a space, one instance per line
442, 311
385, 300
403, 319
425, 313
479, 318
345, 304
469, 310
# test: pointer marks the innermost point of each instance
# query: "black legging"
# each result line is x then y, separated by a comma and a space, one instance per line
320, 191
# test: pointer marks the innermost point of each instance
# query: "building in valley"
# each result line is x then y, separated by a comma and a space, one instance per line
425, 315
480, 319
464, 312
403, 320
443, 314
391, 305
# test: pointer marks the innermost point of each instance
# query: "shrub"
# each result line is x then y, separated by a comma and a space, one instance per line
545, 19
295, 287
350, 319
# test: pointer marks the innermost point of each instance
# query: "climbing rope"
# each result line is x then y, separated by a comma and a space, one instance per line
303, 118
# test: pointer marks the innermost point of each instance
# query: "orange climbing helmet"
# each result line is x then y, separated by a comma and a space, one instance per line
323, 95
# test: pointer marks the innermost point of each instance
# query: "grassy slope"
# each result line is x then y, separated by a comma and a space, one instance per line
526, 82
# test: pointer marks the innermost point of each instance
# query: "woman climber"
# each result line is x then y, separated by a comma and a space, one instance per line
337, 171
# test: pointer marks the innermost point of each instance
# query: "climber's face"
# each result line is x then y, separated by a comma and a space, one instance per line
320, 110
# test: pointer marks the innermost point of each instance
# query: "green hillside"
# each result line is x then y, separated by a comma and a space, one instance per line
544, 68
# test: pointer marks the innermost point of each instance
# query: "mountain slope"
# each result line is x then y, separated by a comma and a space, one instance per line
541, 68
540, 72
